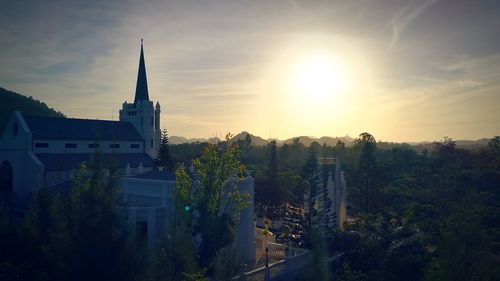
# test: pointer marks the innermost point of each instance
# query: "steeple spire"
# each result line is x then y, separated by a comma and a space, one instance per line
141, 88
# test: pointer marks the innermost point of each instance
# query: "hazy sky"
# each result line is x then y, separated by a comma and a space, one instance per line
401, 70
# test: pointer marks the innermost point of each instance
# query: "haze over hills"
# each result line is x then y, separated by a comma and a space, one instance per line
259, 141
10, 101
331, 141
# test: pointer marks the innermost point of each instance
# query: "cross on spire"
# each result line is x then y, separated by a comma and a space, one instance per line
141, 88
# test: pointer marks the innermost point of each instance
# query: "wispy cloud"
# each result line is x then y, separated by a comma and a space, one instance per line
406, 16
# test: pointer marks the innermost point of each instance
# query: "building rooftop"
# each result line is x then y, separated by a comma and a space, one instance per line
81, 129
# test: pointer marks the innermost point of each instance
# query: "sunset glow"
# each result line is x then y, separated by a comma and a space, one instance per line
323, 68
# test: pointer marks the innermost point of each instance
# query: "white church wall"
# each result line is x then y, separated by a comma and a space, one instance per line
86, 146
142, 117
151, 202
27, 171
244, 238
16, 150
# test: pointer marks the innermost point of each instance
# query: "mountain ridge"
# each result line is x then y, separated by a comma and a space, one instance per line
331, 141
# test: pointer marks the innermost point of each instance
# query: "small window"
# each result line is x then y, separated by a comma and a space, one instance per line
41, 145
93, 145
16, 129
134, 145
114, 145
151, 143
70, 145
132, 113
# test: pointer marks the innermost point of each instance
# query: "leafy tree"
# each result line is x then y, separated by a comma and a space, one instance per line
214, 197
176, 257
228, 263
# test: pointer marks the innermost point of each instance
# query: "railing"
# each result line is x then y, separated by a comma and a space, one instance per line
289, 260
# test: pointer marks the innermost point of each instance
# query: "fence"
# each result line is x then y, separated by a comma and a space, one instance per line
283, 262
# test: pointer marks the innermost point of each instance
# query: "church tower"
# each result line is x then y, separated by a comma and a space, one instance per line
141, 113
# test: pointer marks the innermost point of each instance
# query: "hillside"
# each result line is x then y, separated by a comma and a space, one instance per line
258, 141
10, 101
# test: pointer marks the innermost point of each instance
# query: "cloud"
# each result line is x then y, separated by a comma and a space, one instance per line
467, 84
406, 16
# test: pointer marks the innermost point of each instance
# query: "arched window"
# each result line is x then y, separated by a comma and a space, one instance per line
6, 177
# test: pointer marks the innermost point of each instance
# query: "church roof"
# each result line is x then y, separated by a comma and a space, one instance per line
81, 129
70, 161
141, 88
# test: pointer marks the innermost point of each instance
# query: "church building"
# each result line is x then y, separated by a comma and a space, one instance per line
40, 152
44, 151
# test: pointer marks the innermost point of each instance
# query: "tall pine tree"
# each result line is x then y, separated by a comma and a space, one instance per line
272, 175
164, 159
368, 174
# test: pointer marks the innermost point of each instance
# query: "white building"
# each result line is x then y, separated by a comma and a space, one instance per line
44, 152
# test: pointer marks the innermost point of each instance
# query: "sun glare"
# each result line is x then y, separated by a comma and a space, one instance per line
318, 76
313, 81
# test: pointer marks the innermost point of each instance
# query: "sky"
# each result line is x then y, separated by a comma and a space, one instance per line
403, 70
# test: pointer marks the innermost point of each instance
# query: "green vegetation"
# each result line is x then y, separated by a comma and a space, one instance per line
430, 215
10, 101
83, 236
216, 197
413, 214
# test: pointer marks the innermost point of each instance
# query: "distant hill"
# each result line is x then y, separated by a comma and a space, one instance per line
473, 145
10, 101
258, 141
332, 141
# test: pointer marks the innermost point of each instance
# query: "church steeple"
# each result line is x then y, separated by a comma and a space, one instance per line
141, 88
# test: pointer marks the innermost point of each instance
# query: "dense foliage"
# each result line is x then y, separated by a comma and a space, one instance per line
413, 214
429, 215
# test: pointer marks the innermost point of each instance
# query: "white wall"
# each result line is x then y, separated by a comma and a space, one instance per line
27, 171
58, 146
148, 201
245, 240
143, 111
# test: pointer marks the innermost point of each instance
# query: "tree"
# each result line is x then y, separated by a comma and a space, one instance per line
312, 181
164, 159
214, 198
79, 236
369, 197
273, 190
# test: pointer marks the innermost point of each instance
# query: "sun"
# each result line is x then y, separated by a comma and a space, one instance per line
320, 75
